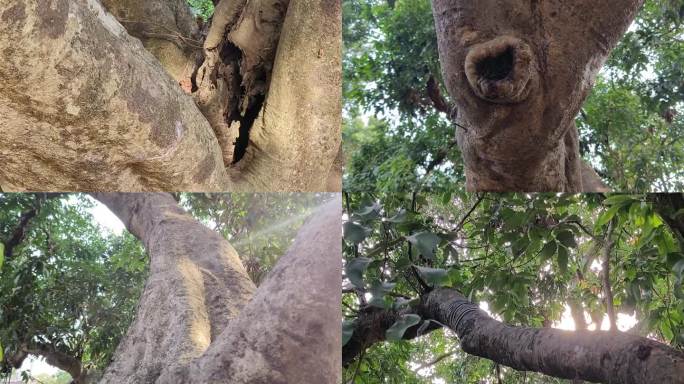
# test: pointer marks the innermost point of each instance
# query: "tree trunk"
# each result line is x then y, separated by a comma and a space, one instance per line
596, 356
95, 111
200, 317
519, 72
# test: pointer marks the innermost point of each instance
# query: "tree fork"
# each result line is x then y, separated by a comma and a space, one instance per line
200, 318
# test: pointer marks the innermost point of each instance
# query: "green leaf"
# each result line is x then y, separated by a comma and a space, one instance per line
563, 259
606, 216
347, 331
355, 269
2, 258
567, 238
370, 211
618, 200
378, 291
355, 233
2, 350
397, 330
426, 243
400, 217
434, 276
548, 250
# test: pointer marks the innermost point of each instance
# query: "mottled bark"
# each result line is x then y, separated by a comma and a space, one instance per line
167, 30
518, 72
201, 319
289, 332
95, 111
197, 284
594, 356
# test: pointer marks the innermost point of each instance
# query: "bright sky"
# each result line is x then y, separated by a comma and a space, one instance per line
108, 221
105, 217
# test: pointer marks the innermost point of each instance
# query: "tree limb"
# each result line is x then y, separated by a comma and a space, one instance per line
286, 334
608, 244
596, 356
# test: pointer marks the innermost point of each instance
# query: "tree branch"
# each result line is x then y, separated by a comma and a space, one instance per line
57, 358
19, 232
196, 288
596, 356
288, 327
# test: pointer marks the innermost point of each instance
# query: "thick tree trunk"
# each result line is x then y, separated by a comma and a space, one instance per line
519, 72
200, 318
596, 356
86, 107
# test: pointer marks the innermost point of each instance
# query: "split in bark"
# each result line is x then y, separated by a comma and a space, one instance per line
94, 111
518, 72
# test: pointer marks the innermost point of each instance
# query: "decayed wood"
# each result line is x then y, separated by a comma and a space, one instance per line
200, 318
95, 111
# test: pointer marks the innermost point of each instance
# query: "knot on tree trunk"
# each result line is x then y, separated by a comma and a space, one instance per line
502, 70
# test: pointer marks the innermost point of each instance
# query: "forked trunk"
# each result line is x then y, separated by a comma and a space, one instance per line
200, 317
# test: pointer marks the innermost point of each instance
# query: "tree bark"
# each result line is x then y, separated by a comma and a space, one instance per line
95, 111
200, 318
596, 356
519, 72
52, 356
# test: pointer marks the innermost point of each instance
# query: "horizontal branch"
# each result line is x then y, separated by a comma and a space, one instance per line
596, 356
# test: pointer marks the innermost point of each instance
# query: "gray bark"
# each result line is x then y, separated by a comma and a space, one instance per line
200, 318
604, 357
86, 107
518, 72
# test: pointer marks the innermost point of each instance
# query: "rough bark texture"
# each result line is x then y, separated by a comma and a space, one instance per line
604, 357
167, 30
291, 125
200, 319
518, 72
86, 107
289, 332
197, 284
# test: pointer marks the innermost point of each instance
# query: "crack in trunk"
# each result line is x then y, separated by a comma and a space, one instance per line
246, 121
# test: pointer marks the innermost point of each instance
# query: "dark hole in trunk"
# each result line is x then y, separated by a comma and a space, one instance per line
246, 122
497, 67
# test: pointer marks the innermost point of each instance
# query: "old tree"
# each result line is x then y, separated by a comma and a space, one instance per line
142, 95
204, 313
515, 94
462, 289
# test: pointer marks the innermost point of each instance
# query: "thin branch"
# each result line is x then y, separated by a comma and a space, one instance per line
435, 361
607, 290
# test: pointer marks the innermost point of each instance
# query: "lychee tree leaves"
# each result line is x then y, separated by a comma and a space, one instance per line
355, 269
397, 330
